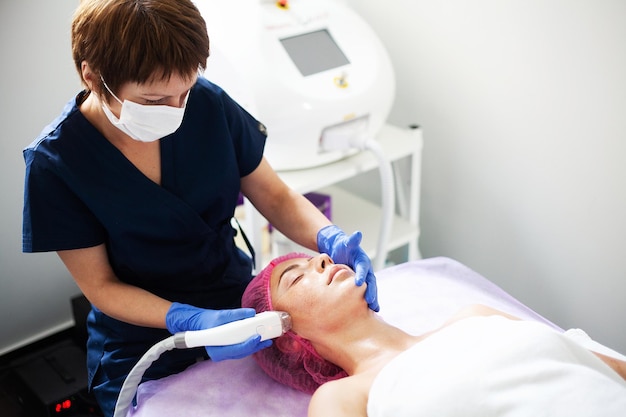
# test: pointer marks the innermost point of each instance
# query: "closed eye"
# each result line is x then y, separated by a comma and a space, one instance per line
298, 278
291, 268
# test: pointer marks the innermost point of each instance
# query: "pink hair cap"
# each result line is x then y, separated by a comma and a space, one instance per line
291, 360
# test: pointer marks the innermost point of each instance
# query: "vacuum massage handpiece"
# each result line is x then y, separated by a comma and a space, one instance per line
268, 324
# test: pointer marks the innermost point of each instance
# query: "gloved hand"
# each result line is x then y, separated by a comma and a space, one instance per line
347, 250
184, 317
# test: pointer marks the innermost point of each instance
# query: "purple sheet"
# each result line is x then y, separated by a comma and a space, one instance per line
415, 296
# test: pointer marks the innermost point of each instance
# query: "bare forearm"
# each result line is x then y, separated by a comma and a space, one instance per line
285, 209
302, 222
130, 304
92, 272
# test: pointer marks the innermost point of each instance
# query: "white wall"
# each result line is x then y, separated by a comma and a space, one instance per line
36, 77
523, 106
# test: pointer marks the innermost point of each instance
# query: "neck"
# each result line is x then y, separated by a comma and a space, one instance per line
363, 344
91, 108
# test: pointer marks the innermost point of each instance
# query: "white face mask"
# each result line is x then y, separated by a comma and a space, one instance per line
145, 123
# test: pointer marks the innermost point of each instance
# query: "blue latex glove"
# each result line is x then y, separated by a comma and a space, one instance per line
184, 317
347, 250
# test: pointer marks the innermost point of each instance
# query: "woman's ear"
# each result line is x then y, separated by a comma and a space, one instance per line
288, 344
87, 75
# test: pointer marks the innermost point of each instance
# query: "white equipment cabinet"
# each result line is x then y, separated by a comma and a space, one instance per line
351, 212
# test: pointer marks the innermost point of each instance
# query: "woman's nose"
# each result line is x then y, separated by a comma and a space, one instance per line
322, 262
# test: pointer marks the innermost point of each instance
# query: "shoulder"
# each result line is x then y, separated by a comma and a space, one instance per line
204, 84
341, 397
70, 120
209, 98
478, 310
207, 88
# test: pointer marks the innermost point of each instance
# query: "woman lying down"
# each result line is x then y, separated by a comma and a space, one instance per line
482, 362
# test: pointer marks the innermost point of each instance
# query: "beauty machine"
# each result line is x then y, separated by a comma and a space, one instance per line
312, 71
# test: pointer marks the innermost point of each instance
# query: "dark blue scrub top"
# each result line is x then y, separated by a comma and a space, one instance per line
173, 239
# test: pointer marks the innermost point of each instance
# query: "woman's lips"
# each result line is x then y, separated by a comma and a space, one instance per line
334, 271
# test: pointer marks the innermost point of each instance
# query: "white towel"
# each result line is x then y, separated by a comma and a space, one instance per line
493, 366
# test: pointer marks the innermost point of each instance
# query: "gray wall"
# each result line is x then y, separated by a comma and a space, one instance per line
37, 77
523, 106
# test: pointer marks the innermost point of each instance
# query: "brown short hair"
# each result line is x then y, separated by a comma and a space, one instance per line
139, 40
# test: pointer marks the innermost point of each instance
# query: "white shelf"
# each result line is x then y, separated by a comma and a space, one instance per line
351, 212
395, 142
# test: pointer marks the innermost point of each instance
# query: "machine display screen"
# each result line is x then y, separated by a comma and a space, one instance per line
314, 52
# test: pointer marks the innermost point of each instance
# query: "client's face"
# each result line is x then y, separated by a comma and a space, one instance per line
312, 290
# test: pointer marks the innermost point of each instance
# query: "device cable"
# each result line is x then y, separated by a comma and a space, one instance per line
129, 388
388, 197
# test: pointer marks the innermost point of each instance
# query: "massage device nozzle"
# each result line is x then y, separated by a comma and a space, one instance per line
268, 324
